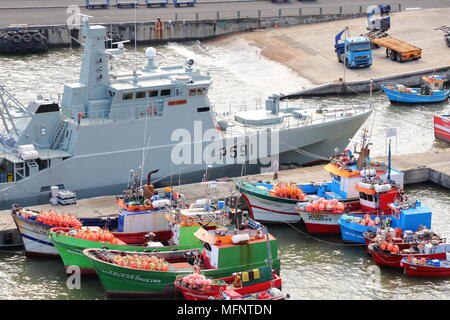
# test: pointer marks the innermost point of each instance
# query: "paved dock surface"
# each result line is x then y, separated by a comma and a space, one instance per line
309, 49
53, 12
415, 166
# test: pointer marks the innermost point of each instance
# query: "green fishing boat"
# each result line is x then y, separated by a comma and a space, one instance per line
183, 223
225, 251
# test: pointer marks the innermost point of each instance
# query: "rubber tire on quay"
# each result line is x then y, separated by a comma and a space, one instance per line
16, 38
38, 37
27, 37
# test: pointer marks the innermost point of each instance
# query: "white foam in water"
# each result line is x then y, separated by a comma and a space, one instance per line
248, 69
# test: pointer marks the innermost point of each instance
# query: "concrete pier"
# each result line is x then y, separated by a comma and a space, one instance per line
431, 166
59, 20
309, 50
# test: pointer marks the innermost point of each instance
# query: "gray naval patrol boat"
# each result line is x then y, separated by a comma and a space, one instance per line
153, 118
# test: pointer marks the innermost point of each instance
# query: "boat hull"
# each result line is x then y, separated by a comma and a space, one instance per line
388, 259
325, 223
412, 269
403, 97
71, 249
98, 179
121, 281
353, 232
35, 237
265, 208
442, 128
190, 294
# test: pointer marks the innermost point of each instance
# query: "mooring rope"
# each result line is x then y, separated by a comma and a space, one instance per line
324, 241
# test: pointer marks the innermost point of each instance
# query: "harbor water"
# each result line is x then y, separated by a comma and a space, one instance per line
312, 268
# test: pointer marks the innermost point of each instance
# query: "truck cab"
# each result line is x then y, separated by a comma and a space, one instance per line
354, 52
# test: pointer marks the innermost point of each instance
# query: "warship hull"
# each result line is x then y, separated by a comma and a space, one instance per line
99, 163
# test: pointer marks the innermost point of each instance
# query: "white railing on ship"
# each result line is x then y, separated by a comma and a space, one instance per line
291, 122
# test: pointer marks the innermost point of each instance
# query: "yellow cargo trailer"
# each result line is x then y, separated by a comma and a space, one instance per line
398, 50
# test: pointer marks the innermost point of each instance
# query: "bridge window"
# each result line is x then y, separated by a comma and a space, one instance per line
127, 96
201, 91
204, 109
165, 92
192, 92
140, 95
153, 93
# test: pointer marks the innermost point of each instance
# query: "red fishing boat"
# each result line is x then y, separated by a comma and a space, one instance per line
426, 268
375, 195
252, 283
385, 256
442, 127
404, 240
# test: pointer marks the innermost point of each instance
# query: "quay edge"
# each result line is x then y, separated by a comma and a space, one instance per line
410, 79
59, 35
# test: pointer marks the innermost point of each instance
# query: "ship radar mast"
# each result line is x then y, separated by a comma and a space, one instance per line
94, 67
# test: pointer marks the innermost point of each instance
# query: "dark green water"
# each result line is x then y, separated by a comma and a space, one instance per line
323, 268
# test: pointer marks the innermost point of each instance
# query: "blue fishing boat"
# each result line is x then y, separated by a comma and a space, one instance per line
431, 91
406, 215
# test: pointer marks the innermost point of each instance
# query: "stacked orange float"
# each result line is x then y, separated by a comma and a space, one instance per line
143, 262
59, 219
287, 190
103, 236
331, 206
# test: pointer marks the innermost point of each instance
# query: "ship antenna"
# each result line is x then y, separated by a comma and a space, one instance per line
135, 38
145, 145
